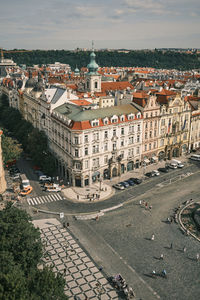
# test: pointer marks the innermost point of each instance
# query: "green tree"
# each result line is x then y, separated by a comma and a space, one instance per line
11, 148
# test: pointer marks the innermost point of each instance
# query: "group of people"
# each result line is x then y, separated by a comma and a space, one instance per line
120, 283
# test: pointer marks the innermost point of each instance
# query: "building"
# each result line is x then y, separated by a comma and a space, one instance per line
94, 144
2, 174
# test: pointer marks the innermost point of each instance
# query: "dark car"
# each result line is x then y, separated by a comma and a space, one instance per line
164, 170
136, 180
125, 184
130, 182
149, 174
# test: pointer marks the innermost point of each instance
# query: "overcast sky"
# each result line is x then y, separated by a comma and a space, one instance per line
133, 24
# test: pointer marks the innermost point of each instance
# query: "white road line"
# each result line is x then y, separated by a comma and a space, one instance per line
38, 200
34, 200
51, 198
45, 199
32, 203
59, 196
29, 201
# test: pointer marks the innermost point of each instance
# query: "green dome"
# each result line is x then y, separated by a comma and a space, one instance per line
92, 66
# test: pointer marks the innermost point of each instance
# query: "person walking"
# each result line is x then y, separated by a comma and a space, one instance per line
197, 256
152, 237
161, 256
171, 246
184, 249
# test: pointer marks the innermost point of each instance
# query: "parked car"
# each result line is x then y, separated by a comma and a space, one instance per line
195, 157
44, 178
130, 182
173, 166
155, 173
118, 186
178, 162
149, 174
136, 180
53, 189
164, 170
125, 184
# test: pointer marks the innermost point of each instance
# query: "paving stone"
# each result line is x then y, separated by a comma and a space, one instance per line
52, 252
60, 267
85, 272
112, 294
61, 240
58, 236
58, 250
85, 287
82, 267
54, 257
98, 275
73, 257
69, 264
68, 293
86, 259
77, 275
58, 262
77, 262
62, 254
56, 246
48, 233
90, 294
76, 290
102, 281
52, 238
48, 248
81, 281
90, 264
71, 284
82, 254
45, 229
94, 270
68, 278
90, 278
73, 270
104, 297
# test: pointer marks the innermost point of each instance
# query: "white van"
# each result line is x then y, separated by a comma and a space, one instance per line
195, 157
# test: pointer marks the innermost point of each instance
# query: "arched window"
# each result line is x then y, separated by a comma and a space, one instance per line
96, 85
88, 84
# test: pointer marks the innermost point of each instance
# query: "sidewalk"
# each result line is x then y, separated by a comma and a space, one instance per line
92, 193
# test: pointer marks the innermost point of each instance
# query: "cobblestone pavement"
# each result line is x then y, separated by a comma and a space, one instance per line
67, 257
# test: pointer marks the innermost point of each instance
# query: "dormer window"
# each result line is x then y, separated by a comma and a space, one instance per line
114, 119
105, 121
95, 123
131, 117
139, 115
122, 118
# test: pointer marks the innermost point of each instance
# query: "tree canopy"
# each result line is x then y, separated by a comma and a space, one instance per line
20, 253
140, 58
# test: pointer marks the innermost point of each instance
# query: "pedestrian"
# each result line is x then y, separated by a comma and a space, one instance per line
150, 207
77, 197
161, 256
140, 202
171, 246
197, 256
152, 237
146, 205
65, 270
97, 218
184, 249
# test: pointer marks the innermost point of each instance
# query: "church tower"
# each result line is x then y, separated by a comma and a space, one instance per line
2, 174
93, 78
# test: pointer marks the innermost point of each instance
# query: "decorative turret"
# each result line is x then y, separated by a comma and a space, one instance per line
93, 78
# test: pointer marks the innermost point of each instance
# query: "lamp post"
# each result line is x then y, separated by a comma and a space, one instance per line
100, 181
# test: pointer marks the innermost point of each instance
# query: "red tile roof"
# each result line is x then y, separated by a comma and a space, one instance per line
114, 86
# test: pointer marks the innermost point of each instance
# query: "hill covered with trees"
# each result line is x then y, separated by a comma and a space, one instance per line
142, 58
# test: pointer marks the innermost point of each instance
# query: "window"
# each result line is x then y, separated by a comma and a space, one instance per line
145, 136
131, 128
162, 142
76, 153
76, 140
170, 111
155, 133
114, 132
130, 152
150, 134
151, 124
95, 162
131, 140
149, 146
122, 118
145, 147
138, 127
114, 146
156, 113
122, 154
105, 134
122, 131
86, 138
86, 151
155, 124
154, 145
86, 164
146, 115
106, 147
163, 122
151, 115
138, 138
122, 143
95, 149
138, 150
105, 159
77, 166
146, 125
96, 85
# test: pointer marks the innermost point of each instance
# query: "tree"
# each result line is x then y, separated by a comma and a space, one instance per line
11, 149
20, 253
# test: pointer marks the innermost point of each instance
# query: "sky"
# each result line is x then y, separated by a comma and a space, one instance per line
130, 24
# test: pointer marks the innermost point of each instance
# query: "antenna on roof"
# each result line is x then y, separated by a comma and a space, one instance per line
92, 45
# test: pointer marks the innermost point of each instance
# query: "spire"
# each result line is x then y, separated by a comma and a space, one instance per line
92, 66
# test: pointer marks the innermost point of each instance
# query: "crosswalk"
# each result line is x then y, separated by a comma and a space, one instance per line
44, 199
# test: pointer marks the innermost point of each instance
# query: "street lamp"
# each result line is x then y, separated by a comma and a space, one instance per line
100, 181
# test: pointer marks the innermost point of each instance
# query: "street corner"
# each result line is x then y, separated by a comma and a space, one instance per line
88, 194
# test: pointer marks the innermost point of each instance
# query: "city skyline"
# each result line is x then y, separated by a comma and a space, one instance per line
131, 24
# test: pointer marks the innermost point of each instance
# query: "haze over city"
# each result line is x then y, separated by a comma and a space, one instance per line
132, 24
